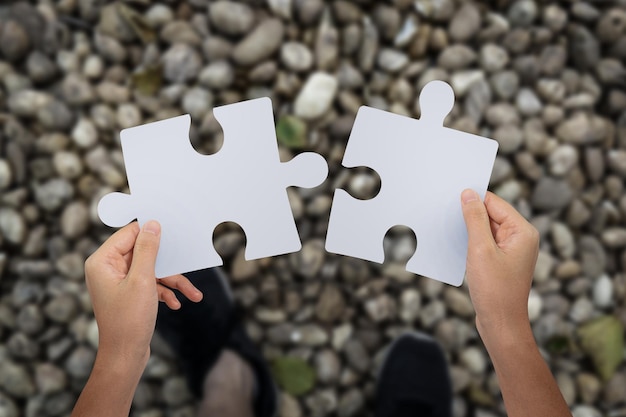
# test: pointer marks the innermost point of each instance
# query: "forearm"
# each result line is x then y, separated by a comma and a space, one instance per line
111, 386
527, 385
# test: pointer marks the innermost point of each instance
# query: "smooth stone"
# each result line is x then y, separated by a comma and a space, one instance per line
181, 63
12, 226
296, 56
551, 194
593, 256
259, 44
474, 360
316, 96
16, 380
493, 58
331, 304
456, 57
49, 378
392, 60
465, 23
197, 101
357, 356
289, 406
8, 408
603, 292
67, 164
431, 313
505, 84
230, 17
562, 159
61, 309
458, 302
84, 133
327, 366
528, 103
351, 403
381, 308
589, 387
410, 305
535, 305
309, 335
175, 391
581, 310
75, 220
563, 239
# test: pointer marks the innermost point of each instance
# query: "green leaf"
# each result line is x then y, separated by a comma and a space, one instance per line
294, 375
291, 132
558, 345
149, 80
603, 340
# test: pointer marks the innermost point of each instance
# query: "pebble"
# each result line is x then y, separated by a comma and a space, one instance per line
603, 292
327, 366
585, 411
493, 58
296, 56
410, 305
351, 403
197, 101
474, 360
465, 23
15, 380
61, 309
74, 220
551, 194
392, 60
49, 378
231, 18
309, 335
181, 63
563, 239
581, 310
331, 304
8, 408
259, 44
357, 356
316, 96
456, 57
12, 226
458, 302
381, 308
175, 391
614, 237
528, 103
535, 305
289, 406
589, 387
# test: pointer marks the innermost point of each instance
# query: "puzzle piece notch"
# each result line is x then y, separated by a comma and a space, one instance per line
419, 155
190, 194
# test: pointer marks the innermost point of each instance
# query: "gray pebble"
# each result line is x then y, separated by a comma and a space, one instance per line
74, 220
327, 366
30, 320
80, 362
296, 56
175, 391
49, 378
8, 408
493, 58
217, 76
181, 63
357, 356
61, 309
52, 194
15, 380
12, 226
351, 403
331, 304
456, 56
259, 44
551, 194
230, 17
522, 13
465, 23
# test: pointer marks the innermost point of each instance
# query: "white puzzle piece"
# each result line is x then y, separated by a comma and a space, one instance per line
423, 167
190, 194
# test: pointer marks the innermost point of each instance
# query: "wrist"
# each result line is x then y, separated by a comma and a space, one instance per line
117, 362
505, 334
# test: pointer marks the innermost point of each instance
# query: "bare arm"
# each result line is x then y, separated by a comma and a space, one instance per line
502, 252
125, 294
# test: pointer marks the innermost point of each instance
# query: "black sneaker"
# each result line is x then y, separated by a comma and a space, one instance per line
198, 332
414, 379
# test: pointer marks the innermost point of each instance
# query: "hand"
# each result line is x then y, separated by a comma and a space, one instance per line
501, 257
125, 293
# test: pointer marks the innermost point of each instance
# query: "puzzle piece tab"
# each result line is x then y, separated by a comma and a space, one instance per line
190, 194
423, 167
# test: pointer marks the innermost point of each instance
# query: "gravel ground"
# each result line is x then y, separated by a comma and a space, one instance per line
545, 79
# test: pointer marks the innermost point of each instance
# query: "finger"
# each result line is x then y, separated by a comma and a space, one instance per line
145, 251
182, 284
476, 219
122, 241
168, 297
501, 211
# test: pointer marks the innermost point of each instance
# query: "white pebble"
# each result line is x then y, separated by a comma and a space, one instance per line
603, 292
316, 96
534, 305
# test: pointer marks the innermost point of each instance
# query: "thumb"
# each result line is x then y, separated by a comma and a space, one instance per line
476, 219
145, 250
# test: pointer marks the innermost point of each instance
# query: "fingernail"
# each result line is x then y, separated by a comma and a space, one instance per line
469, 195
152, 226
